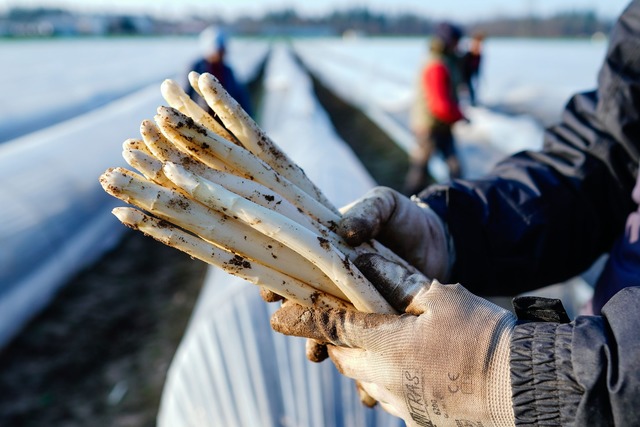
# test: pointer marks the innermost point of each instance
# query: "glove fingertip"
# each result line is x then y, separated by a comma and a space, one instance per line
270, 296
365, 397
316, 351
285, 320
354, 230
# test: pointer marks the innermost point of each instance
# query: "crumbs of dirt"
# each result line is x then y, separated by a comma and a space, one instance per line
98, 355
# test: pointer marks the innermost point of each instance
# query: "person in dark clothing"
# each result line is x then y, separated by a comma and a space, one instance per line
470, 64
538, 218
213, 43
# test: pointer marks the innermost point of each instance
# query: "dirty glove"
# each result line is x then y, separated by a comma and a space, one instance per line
445, 364
408, 227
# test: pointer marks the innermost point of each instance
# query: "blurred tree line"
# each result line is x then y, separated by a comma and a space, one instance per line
287, 22
365, 21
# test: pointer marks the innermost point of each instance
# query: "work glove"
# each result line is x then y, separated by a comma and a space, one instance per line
406, 226
410, 228
446, 363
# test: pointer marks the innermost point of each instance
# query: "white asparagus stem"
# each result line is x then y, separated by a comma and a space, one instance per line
249, 270
318, 250
135, 144
263, 196
151, 168
178, 99
213, 226
253, 137
194, 77
158, 145
202, 143
205, 146
148, 165
166, 151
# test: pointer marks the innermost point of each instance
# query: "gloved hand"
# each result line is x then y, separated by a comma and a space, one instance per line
445, 364
407, 227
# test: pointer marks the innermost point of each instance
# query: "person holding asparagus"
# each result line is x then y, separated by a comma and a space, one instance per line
454, 359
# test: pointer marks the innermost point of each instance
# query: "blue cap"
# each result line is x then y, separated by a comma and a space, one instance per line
449, 33
212, 40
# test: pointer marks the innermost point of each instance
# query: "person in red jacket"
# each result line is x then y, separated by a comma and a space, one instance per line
436, 109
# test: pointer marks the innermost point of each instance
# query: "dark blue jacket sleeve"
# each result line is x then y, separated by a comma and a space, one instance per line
583, 373
542, 217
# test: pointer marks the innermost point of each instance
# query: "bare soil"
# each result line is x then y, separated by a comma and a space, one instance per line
98, 355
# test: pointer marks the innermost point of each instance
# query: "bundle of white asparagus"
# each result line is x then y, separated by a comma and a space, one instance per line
223, 192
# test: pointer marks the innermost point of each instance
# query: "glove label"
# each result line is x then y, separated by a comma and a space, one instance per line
413, 386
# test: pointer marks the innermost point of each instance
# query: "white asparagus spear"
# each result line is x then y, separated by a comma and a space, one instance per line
253, 137
166, 151
151, 168
257, 193
148, 165
266, 198
213, 226
194, 77
318, 250
178, 99
249, 270
137, 155
157, 144
135, 144
202, 143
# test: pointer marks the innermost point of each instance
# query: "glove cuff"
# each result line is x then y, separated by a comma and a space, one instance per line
499, 395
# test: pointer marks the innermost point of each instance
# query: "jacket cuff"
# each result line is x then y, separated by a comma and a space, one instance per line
543, 384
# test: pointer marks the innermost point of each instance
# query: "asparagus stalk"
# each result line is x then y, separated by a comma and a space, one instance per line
213, 226
148, 165
316, 249
233, 206
203, 144
151, 168
266, 198
135, 144
178, 99
164, 150
253, 137
206, 146
249, 270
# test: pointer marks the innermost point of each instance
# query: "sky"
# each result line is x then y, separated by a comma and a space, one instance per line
461, 10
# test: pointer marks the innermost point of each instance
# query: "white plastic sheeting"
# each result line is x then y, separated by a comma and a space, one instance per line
54, 217
231, 369
48, 81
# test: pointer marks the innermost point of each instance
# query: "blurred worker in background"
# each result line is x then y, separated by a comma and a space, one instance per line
436, 109
470, 65
538, 218
213, 45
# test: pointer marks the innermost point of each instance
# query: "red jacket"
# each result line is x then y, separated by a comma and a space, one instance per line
439, 93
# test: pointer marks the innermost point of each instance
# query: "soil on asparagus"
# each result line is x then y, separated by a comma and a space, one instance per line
99, 354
